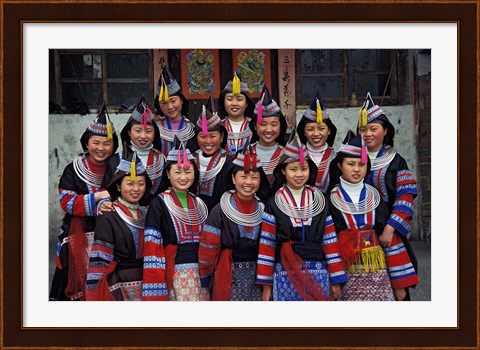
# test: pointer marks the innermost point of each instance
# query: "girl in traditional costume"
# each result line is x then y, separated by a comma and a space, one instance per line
360, 215
79, 191
211, 159
235, 105
299, 252
116, 260
141, 135
174, 222
172, 107
269, 128
229, 243
393, 180
317, 131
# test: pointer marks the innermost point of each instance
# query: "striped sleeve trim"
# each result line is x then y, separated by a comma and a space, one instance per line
153, 235
153, 262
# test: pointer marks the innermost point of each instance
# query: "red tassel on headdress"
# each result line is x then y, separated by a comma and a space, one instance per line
302, 155
246, 162
145, 114
179, 159
254, 161
186, 163
204, 122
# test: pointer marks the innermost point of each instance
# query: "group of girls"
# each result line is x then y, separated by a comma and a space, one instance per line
226, 209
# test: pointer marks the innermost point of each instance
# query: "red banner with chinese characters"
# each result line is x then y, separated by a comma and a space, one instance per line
286, 85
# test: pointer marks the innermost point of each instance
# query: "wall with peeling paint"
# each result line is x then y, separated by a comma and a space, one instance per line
65, 131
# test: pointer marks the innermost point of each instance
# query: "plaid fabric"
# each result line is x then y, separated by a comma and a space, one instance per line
243, 282
186, 284
371, 286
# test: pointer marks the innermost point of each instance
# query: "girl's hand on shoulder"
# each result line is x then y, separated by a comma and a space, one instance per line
104, 207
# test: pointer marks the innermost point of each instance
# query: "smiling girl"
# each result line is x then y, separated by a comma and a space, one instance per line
172, 108
116, 260
299, 251
269, 128
80, 189
173, 225
235, 105
317, 131
393, 180
230, 239
211, 159
360, 215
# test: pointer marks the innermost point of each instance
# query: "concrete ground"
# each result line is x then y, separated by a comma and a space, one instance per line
423, 291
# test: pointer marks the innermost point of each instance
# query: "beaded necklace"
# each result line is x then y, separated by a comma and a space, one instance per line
384, 159
83, 171
207, 175
187, 216
130, 220
248, 220
183, 134
368, 204
303, 211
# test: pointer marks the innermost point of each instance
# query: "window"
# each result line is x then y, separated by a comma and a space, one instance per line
335, 74
118, 77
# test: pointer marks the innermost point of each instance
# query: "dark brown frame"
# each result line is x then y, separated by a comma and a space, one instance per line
14, 13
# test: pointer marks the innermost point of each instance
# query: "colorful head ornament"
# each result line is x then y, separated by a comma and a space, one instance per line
266, 106
294, 151
180, 154
319, 114
248, 160
372, 113
167, 87
354, 147
130, 165
101, 126
235, 86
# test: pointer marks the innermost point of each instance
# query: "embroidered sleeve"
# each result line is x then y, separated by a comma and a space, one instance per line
101, 256
154, 282
402, 211
400, 268
331, 249
266, 250
71, 201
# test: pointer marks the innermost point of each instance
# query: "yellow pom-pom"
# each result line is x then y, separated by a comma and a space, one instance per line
236, 84
319, 113
109, 131
160, 94
364, 117
133, 171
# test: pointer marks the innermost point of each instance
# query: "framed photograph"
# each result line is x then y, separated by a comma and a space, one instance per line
200, 73
449, 320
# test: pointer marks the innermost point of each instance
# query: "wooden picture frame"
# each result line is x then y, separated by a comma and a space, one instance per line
16, 13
